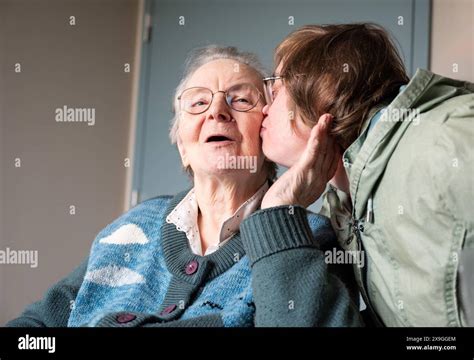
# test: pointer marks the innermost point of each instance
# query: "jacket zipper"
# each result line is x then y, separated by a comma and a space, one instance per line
357, 229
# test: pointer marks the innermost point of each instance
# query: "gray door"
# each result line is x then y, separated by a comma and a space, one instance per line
252, 25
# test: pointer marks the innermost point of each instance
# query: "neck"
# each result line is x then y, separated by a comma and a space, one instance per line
218, 198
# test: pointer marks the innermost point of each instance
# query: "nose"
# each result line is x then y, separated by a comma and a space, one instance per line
265, 109
219, 109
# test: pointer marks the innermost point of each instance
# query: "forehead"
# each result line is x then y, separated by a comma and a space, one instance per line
222, 73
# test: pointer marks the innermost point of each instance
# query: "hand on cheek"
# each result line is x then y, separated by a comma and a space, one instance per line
306, 180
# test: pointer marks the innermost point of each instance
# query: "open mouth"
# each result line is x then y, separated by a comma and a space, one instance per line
218, 138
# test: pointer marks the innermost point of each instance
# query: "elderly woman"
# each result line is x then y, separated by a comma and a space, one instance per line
207, 256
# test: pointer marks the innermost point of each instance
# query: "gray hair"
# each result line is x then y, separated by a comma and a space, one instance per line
201, 56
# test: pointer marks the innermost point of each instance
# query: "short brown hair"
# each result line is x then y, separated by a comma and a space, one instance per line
343, 70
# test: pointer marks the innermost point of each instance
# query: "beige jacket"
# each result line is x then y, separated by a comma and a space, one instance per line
411, 208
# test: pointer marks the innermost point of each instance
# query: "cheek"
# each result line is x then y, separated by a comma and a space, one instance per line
278, 129
251, 133
189, 129
283, 140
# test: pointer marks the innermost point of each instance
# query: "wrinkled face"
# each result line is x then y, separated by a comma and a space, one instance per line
221, 140
284, 135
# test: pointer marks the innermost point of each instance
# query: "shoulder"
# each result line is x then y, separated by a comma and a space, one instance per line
437, 156
144, 218
452, 162
452, 134
457, 126
452, 117
457, 106
151, 209
441, 137
155, 206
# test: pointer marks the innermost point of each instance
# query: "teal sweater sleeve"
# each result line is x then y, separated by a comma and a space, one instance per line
54, 308
292, 284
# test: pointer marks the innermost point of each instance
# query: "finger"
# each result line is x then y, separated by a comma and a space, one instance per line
322, 134
316, 142
332, 148
325, 146
329, 159
311, 150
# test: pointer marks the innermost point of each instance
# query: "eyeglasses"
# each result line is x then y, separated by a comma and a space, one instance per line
268, 89
240, 97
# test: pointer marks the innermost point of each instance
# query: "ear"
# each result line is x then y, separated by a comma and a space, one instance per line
182, 152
